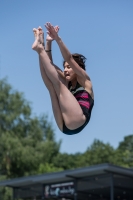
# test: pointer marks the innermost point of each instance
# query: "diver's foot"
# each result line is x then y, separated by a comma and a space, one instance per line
36, 45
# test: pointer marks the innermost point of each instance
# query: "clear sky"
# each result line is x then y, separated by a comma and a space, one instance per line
99, 29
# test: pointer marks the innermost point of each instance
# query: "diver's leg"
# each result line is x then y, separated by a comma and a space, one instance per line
70, 108
54, 100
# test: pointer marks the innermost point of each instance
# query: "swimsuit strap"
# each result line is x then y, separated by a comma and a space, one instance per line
76, 87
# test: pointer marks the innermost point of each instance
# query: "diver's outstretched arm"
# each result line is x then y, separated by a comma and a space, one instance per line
66, 53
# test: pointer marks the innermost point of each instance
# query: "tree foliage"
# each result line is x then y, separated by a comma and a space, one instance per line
126, 149
25, 140
98, 153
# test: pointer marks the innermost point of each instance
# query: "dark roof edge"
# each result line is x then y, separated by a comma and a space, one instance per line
105, 167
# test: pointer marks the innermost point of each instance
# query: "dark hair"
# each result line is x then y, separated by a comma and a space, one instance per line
80, 59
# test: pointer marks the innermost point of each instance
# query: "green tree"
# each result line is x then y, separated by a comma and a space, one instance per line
99, 153
65, 161
26, 141
126, 150
69, 161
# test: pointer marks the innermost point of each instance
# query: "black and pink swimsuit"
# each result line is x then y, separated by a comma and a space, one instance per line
86, 103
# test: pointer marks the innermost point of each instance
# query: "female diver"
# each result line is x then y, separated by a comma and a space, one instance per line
70, 90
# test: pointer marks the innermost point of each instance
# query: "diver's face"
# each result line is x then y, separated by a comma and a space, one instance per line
68, 72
